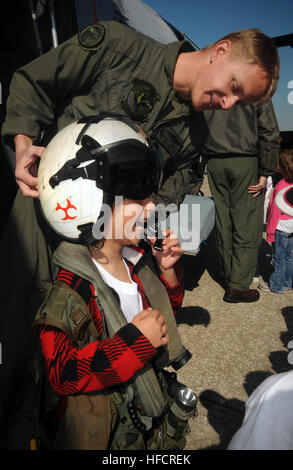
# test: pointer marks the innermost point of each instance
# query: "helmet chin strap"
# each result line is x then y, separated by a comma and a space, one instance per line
87, 231
99, 245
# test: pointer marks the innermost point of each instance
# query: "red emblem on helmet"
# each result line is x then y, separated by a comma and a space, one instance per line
66, 209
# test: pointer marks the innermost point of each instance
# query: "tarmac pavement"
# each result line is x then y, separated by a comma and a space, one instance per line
234, 346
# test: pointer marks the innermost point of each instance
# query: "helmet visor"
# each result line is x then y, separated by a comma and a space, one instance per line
129, 168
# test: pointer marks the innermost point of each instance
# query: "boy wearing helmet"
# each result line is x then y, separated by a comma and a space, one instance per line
108, 67
107, 328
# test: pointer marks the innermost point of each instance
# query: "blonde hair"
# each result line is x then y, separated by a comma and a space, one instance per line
256, 48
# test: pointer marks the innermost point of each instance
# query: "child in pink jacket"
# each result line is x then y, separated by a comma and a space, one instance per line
280, 232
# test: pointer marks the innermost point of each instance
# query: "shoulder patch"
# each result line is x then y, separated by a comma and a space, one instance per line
91, 38
140, 100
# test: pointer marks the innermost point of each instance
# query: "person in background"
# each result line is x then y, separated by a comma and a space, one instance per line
242, 151
280, 232
268, 190
267, 423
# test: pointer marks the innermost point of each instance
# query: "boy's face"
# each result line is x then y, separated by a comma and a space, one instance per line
224, 82
128, 217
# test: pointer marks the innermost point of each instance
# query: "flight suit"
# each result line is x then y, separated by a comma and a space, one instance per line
242, 144
106, 67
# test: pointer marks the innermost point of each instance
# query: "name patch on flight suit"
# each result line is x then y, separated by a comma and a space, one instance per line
140, 100
91, 37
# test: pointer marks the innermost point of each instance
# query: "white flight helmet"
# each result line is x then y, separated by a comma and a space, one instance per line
88, 163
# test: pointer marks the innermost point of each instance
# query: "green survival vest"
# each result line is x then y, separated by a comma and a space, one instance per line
96, 414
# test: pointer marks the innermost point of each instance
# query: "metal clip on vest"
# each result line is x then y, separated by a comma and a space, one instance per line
183, 407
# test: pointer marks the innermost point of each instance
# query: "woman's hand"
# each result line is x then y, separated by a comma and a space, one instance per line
26, 159
258, 188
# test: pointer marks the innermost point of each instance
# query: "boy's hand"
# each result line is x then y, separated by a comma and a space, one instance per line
171, 251
152, 325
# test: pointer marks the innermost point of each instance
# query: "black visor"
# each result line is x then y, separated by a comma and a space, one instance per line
129, 168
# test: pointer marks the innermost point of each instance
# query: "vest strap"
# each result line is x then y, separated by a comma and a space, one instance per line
77, 259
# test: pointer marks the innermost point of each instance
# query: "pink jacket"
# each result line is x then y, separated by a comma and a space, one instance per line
274, 213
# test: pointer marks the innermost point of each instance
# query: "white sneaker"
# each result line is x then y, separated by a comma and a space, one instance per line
264, 286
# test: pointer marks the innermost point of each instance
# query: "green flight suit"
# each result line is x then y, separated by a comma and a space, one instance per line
107, 67
242, 145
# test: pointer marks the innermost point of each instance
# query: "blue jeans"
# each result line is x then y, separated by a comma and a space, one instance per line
282, 276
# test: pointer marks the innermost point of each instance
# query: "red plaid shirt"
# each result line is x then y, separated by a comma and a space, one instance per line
101, 363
